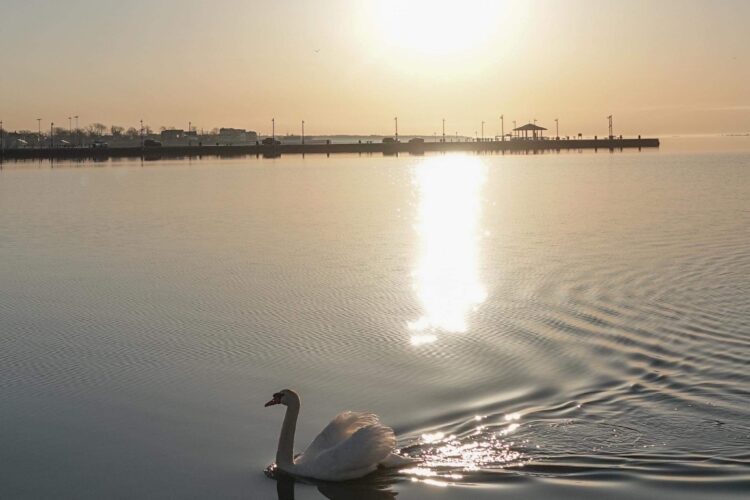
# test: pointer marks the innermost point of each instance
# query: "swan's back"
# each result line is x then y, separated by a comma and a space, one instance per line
351, 446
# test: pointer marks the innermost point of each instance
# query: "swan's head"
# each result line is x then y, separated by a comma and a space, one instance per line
286, 397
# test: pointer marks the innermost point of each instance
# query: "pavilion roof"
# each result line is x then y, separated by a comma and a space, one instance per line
530, 126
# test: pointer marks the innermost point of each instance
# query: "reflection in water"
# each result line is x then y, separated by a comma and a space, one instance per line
370, 488
447, 277
443, 459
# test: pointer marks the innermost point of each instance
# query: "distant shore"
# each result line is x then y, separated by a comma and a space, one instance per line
269, 150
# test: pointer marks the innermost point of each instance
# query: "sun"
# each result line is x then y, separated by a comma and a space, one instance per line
437, 27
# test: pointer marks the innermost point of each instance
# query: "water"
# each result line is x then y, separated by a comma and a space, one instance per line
569, 326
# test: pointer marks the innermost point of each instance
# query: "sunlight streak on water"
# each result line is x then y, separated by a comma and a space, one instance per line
446, 278
444, 457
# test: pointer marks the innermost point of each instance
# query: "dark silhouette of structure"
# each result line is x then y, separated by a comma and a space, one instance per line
537, 132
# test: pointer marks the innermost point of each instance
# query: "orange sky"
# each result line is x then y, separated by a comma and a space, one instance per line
350, 66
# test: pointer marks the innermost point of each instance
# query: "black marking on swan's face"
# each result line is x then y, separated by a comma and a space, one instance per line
279, 398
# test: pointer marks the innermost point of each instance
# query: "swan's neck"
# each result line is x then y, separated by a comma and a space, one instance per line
285, 451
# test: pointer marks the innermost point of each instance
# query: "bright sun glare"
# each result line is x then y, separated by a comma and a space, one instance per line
447, 275
437, 27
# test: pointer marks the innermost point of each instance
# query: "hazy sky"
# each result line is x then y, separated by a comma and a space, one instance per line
350, 66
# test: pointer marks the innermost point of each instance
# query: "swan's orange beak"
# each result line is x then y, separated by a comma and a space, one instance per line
275, 401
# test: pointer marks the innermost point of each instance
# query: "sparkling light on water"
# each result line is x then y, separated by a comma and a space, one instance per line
444, 458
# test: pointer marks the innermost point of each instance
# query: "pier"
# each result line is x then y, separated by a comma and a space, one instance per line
501, 146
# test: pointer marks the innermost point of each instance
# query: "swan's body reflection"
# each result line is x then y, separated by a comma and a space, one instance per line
376, 487
446, 278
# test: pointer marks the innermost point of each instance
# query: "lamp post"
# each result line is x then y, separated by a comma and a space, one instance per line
303, 132
502, 127
557, 129
514, 127
395, 119
39, 134
482, 131
78, 131
443, 129
51, 134
141, 134
273, 129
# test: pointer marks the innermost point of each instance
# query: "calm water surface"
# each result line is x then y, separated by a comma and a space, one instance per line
568, 326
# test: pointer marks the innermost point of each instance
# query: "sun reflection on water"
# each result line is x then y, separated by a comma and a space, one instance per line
446, 278
445, 458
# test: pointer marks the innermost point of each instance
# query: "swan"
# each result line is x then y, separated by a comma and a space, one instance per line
351, 446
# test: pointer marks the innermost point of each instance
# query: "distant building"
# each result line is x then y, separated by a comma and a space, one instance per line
172, 134
236, 136
523, 131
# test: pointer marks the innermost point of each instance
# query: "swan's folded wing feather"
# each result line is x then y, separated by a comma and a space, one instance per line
354, 457
339, 429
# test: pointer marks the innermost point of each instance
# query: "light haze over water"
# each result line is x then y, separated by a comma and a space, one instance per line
571, 325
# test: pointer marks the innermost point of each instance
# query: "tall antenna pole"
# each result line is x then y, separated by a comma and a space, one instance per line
303, 132
557, 128
502, 127
273, 128
395, 119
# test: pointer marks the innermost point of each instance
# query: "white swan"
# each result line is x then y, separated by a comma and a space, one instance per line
351, 446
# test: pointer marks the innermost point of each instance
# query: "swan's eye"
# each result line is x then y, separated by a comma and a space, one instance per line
278, 395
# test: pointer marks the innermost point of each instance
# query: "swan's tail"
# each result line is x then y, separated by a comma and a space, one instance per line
394, 461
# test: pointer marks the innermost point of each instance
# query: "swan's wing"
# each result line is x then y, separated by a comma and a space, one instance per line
354, 457
339, 429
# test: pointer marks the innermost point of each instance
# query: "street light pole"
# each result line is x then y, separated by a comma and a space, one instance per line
502, 126
273, 129
443, 129
141, 134
482, 131
395, 119
39, 134
557, 129
303, 132
51, 134
78, 131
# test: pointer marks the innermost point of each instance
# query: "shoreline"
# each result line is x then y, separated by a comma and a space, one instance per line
285, 149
